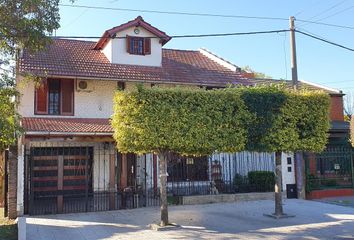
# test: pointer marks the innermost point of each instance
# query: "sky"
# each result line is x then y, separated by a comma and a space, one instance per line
317, 61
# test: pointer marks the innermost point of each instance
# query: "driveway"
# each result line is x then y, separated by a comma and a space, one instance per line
240, 220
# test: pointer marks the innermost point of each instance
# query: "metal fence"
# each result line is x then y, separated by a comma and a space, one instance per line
219, 173
332, 168
66, 177
92, 202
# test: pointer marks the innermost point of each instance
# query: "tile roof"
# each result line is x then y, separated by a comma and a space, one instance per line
75, 58
67, 125
302, 85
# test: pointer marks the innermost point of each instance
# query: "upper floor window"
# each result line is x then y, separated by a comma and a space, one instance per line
138, 45
55, 97
121, 85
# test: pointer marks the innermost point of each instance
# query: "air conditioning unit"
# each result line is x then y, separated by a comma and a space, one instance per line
84, 86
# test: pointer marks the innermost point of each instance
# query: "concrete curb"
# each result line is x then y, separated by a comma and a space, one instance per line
220, 198
21, 226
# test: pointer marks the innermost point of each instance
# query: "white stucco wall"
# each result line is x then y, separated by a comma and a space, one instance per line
288, 176
95, 104
116, 49
107, 51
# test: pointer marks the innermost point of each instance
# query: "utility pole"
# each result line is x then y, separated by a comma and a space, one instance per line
293, 54
299, 161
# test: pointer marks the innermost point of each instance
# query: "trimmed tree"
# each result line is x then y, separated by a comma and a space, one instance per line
286, 121
184, 121
199, 122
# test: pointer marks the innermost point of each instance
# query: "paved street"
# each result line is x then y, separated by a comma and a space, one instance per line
240, 220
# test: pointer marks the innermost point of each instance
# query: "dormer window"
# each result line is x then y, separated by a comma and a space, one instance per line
138, 45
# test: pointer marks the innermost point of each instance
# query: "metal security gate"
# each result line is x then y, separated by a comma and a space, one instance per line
67, 180
60, 178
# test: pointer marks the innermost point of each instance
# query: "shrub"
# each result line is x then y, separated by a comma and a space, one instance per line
312, 183
329, 182
239, 180
263, 180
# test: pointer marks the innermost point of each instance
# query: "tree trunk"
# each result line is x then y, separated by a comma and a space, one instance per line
300, 175
278, 185
163, 187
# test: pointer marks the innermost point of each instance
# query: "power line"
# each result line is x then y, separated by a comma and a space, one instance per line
328, 9
336, 13
326, 24
307, 8
203, 15
324, 40
173, 12
184, 36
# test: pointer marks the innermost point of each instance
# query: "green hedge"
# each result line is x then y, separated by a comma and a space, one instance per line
186, 121
198, 122
263, 179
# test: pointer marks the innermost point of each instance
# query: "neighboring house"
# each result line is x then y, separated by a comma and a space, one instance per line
67, 158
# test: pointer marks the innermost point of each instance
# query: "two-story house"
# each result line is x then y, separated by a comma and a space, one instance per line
67, 158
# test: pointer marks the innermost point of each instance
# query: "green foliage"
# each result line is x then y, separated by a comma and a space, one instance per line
256, 74
9, 119
26, 23
23, 24
186, 121
263, 179
198, 122
284, 120
239, 179
329, 182
312, 183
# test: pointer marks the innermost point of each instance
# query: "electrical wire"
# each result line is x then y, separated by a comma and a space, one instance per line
326, 24
183, 36
173, 12
327, 10
326, 41
205, 15
336, 13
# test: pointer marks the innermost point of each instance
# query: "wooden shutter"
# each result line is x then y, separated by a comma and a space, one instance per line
147, 46
67, 97
128, 40
41, 99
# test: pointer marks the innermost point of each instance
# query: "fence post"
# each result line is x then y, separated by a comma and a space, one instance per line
12, 183
86, 179
60, 183
112, 182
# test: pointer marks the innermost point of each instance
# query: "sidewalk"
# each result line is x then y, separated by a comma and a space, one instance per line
240, 220
343, 201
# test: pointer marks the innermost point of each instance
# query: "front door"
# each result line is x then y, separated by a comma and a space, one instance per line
126, 171
131, 170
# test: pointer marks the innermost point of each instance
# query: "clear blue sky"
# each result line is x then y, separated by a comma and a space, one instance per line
317, 62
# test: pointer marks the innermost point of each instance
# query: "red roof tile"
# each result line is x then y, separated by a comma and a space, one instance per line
74, 58
67, 125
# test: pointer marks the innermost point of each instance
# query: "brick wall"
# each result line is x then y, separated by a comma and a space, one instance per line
336, 112
12, 183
